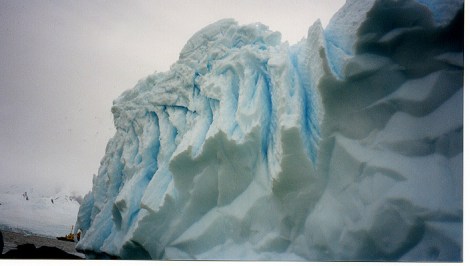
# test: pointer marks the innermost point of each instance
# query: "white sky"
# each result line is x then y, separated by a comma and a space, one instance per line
62, 63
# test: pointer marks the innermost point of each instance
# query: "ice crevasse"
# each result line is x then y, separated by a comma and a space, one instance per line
344, 146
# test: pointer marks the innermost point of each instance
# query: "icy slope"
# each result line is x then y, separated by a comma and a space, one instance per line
345, 146
29, 211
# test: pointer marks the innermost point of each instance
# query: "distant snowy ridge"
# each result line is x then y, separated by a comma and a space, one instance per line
345, 146
36, 213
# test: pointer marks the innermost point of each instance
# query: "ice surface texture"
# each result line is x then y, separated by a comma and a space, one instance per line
345, 146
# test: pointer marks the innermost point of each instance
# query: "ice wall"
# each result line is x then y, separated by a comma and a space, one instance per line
345, 146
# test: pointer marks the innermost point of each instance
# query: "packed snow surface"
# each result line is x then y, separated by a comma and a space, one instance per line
32, 212
345, 146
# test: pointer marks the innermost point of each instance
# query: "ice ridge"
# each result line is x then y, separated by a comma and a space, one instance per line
345, 146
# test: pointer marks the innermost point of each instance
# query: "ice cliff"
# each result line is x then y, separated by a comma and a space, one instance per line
345, 146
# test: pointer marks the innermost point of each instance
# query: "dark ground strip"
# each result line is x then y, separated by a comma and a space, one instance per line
21, 246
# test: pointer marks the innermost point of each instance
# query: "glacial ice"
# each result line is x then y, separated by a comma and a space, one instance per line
345, 146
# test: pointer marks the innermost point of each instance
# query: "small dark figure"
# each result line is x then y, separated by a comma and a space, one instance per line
52, 201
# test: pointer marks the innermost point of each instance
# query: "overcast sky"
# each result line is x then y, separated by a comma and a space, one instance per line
62, 63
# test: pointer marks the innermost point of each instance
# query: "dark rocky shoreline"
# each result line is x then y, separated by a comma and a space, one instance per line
29, 251
27, 246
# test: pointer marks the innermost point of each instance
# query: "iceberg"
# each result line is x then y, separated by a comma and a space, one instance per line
345, 146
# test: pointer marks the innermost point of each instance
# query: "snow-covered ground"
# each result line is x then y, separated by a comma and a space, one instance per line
26, 210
